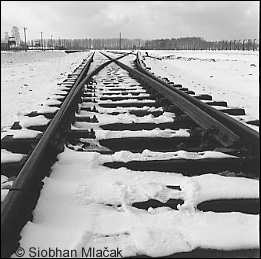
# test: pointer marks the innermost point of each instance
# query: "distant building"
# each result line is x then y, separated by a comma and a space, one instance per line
9, 45
11, 41
37, 44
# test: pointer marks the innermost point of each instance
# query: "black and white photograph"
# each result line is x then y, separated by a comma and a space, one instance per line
130, 129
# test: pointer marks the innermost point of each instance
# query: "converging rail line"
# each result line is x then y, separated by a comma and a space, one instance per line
140, 150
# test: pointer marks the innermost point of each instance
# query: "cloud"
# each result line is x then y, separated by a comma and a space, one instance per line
212, 20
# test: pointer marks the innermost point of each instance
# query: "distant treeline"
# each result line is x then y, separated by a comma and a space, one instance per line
198, 43
187, 43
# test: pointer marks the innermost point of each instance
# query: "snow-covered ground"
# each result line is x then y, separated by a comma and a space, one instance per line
29, 78
84, 204
231, 76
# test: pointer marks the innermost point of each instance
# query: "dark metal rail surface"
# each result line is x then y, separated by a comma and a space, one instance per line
217, 130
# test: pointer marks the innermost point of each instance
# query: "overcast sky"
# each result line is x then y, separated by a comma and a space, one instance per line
211, 20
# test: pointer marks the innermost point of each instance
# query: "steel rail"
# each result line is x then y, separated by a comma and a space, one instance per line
247, 135
31, 175
221, 133
15, 203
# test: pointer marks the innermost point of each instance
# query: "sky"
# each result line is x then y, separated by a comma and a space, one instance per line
211, 20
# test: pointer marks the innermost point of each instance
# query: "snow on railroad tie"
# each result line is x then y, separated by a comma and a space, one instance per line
132, 100
101, 91
27, 127
104, 119
166, 133
6, 184
60, 91
46, 109
84, 204
6, 158
39, 120
125, 95
148, 155
102, 110
23, 133
155, 133
135, 88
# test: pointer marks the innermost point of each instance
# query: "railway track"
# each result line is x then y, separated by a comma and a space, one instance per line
132, 146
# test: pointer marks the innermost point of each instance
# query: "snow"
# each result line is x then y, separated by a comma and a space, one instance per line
146, 155
130, 118
130, 100
130, 90
21, 134
231, 76
94, 209
107, 134
52, 102
6, 183
102, 110
28, 79
34, 121
8, 156
85, 204
47, 109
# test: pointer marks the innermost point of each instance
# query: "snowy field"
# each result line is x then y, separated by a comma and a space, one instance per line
84, 204
27, 79
231, 76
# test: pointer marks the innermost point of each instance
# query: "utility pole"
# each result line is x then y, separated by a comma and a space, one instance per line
254, 44
42, 39
25, 46
120, 41
52, 42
